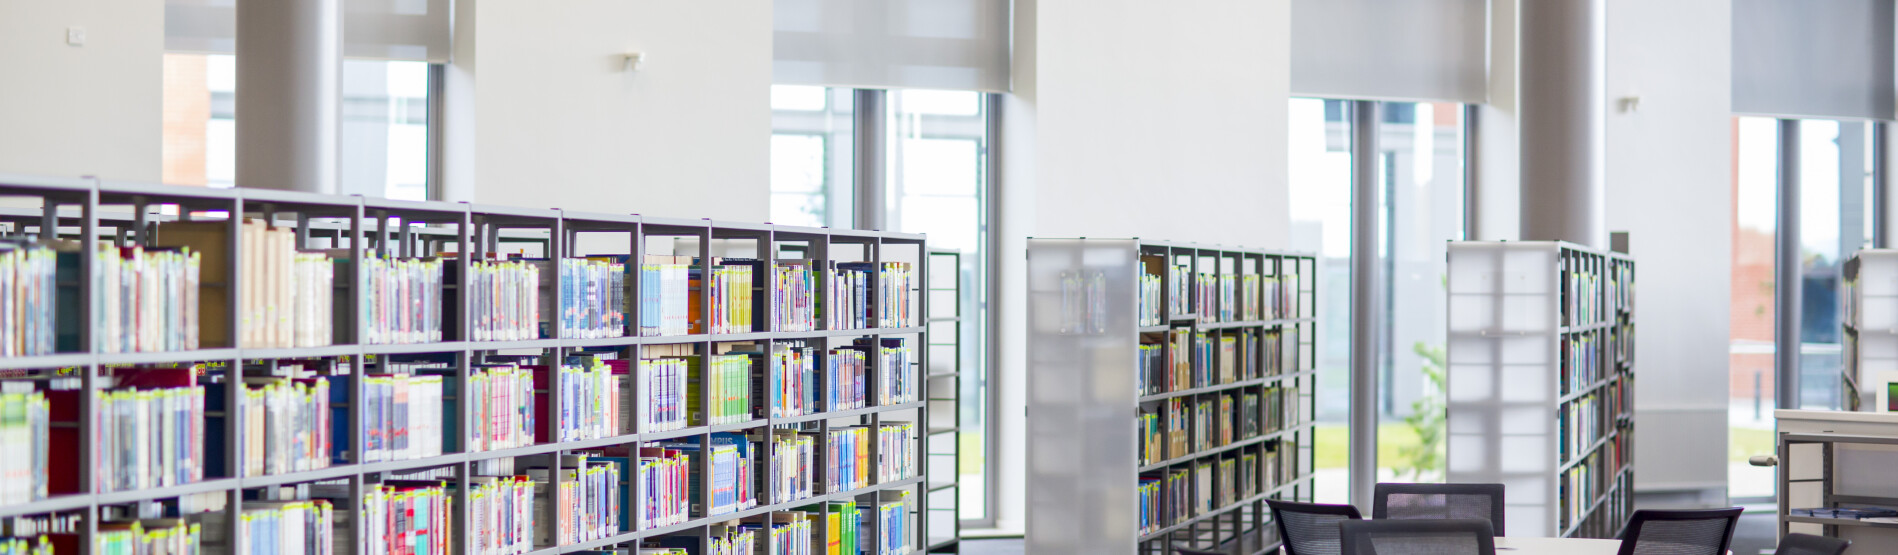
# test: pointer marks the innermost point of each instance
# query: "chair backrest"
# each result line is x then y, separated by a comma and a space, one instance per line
1310, 528
1185, 551
1698, 532
1408, 501
1808, 544
1449, 536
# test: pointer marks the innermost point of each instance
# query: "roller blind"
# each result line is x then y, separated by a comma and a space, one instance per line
1391, 49
410, 30
1809, 58
878, 44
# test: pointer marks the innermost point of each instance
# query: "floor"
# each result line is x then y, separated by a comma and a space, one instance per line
1754, 536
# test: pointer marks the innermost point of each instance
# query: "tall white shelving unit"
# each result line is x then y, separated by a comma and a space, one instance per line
1086, 331
1540, 382
1870, 330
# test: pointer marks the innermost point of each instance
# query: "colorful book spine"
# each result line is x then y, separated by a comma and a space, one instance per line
287, 424
143, 438
402, 302
896, 295
665, 382
729, 479
502, 407
585, 496
154, 536
306, 527
844, 373
39, 545
733, 540
847, 296
1149, 299
891, 513
732, 295
847, 463
794, 464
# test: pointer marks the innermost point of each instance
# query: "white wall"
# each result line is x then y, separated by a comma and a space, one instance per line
555, 122
1669, 183
82, 110
1136, 119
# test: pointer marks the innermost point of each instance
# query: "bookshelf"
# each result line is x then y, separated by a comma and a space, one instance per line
580, 438
1170, 394
945, 289
1870, 330
1541, 382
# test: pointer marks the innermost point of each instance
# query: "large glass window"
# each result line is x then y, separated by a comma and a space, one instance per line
1320, 194
1420, 208
1834, 222
938, 184
384, 146
813, 144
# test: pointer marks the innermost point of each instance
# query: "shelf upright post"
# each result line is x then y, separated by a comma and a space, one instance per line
464, 369
234, 414
139, 232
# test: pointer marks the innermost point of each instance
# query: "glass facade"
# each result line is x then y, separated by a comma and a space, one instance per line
813, 162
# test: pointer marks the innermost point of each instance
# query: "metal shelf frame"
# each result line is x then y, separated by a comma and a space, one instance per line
1084, 339
96, 212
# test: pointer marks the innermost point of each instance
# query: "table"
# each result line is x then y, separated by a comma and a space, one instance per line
1556, 546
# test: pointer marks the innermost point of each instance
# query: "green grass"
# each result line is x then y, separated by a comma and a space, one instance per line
1743, 443
1334, 448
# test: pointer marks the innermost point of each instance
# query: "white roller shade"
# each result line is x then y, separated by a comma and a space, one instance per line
1810, 58
878, 44
1391, 49
411, 30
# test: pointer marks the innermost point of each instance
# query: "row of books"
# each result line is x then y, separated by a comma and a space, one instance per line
1150, 309
505, 299
403, 300
793, 296
791, 380
1176, 427
897, 380
29, 295
664, 476
732, 540
793, 465
1580, 424
663, 407
586, 494
146, 437
728, 379
730, 480
589, 400
288, 296
404, 415
665, 295
1170, 496
287, 425
295, 528
731, 294
1582, 300
503, 406
593, 300
148, 300
1189, 359
1581, 362
142, 537
892, 517
848, 461
847, 296
22, 546
502, 519
1213, 296
25, 437
404, 517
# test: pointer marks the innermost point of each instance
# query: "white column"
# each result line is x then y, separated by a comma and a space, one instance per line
1562, 87
289, 94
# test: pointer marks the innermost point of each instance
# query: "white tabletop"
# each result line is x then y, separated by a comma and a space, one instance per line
1556, 546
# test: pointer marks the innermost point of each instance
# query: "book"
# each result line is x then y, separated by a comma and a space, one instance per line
501, 520
664, 381
29, 279
845, 370
406, 517
664, 476
891, 515
147, 434
584, 494
847, 295
504, 299
406, 414
727, 381
793, 463
896, 372
588, 402
593, 300
503, 407
288, 295
896, 457
791, 379
728, 475
286, 424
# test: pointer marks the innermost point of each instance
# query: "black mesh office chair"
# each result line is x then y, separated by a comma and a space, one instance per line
1310, 528
1445, 536
1808, 544
1185, 551
1701, 532
1410, 501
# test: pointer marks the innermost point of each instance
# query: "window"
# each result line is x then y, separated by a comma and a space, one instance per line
937, 150
384, 129
1834, 222
813, 145
1420, 208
